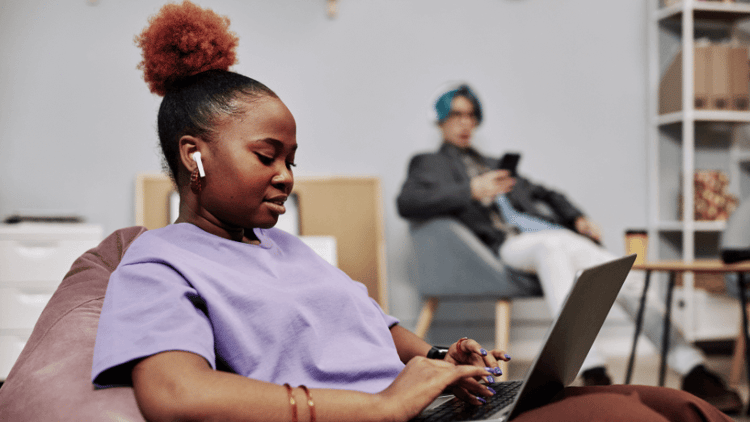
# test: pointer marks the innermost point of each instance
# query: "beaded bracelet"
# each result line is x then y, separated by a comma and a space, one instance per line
292, 402
310, 403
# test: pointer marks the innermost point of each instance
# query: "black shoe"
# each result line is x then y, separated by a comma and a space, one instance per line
710, 387
596, 376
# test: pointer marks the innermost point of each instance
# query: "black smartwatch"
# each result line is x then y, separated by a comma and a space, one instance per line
437, 352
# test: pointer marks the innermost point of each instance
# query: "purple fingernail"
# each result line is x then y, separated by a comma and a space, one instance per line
491, 390
498, 371
507, 356
490, 379
482, 400
483, 352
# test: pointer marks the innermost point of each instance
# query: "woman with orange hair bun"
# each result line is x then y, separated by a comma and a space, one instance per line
221, 316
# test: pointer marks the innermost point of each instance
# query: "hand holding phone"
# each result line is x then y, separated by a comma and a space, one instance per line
509, 162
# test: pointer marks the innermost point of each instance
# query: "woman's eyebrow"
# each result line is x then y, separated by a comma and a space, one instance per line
275, 143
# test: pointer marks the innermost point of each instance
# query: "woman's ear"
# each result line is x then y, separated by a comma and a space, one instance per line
189, 145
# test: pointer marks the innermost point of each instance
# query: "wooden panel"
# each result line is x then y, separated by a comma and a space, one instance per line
152, 200
347, 208
350, 209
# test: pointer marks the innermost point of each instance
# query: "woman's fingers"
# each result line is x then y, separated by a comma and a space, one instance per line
469, 352
500, 354
469, 398
471, 391
424, 379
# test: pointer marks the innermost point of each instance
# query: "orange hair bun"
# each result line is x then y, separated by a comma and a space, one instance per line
181, 41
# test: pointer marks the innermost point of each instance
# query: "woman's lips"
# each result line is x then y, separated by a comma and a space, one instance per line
276, 205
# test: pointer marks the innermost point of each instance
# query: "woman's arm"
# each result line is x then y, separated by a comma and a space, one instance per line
408, 344
179, 385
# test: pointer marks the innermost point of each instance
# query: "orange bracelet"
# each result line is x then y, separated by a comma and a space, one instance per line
310, 403
292, 402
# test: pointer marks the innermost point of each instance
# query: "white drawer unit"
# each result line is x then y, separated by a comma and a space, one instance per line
34, 258
10, 347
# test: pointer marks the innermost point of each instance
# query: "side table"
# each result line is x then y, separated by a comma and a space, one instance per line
673, 267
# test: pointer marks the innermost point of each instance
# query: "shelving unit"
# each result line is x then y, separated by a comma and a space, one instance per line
684, 141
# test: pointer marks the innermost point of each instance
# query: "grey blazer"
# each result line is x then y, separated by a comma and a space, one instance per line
438, 185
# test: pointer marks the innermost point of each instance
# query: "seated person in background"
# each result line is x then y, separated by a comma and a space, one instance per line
217, 316
504, 212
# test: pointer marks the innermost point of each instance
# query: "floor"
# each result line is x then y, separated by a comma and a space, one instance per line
646, 372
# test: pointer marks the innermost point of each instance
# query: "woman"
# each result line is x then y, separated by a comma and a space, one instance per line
218, 316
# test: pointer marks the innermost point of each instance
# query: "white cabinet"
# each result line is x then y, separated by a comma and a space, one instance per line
34, 258
693, 138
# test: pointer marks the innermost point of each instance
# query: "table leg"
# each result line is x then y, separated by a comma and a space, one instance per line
638, 326
667, 327
743, 300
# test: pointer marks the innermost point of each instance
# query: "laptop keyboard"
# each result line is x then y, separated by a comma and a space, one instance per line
458, 410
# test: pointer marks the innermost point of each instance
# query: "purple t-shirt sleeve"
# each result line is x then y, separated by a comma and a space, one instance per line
170, 315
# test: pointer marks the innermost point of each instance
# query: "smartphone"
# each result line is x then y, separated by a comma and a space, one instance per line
509, 162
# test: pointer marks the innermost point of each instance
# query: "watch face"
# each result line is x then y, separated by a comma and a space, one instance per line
437, 353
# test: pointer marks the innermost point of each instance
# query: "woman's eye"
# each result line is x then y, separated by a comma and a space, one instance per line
265, 159
290, 165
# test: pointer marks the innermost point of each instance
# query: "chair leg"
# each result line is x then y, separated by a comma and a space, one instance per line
425, 317
502, 331
738, 357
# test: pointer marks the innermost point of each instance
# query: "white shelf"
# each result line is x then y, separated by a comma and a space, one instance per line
742, 157
697, 226
706, 10
719, 116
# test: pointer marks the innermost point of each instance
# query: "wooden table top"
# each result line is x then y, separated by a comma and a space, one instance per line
699, 265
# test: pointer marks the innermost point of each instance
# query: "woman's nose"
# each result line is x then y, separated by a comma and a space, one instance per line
283, 179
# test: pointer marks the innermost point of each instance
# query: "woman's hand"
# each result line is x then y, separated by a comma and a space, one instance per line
468, 352
422, 381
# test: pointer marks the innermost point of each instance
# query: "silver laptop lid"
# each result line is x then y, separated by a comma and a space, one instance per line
572, 334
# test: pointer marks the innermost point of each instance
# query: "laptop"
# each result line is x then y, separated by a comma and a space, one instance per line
566, 345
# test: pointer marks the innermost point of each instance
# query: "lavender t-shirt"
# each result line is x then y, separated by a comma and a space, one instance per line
274, 312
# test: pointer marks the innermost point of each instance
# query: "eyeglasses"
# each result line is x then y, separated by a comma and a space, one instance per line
456, 115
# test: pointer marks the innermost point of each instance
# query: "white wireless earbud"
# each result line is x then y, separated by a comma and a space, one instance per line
197, 158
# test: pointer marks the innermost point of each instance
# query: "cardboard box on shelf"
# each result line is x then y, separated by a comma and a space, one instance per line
670, 87
719, 96
739, 79
721, 79
702, 60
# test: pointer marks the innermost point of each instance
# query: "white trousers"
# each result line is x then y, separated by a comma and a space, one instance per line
556, 256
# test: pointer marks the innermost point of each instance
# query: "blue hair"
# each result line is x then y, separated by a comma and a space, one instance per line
443, 104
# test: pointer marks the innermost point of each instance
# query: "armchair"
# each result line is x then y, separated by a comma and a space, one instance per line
453, 264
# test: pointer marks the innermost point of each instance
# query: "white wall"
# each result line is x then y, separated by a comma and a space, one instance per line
561, 81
